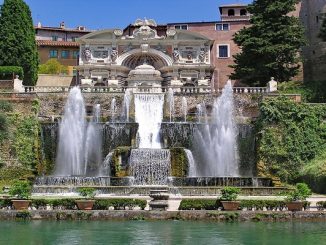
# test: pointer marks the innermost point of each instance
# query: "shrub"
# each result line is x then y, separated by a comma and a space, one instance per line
87, 192
301, 192
5, 106
52, 66
119, 203
230, 193
21, 189
63, 203
3, 127
7, 72
40, 203
199, 204
321, 205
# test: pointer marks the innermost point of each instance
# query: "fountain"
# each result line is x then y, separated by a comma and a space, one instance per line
70, 154
184, 108
216, 141
126, 105
170, 101
113, 109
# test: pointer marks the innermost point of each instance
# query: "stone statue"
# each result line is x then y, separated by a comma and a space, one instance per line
114, 55
202, 55
176, 55
87, 55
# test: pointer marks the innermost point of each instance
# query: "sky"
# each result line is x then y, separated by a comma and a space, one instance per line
102, 14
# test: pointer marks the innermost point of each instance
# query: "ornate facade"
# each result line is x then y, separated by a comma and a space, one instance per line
145, 58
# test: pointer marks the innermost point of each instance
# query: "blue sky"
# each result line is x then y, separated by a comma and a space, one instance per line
100, 14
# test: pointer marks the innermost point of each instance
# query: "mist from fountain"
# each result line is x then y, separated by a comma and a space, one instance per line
93, 143
70, 153
149, 116
184, 108
216, 142
199, 113
170, 101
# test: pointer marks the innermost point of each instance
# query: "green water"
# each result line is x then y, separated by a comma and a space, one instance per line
166, 232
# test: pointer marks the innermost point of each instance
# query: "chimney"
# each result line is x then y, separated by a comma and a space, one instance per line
62, 25
39, 25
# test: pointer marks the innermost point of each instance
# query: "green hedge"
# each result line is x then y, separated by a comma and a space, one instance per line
7, 71
209, 204
199, 204
321, 205
119, 204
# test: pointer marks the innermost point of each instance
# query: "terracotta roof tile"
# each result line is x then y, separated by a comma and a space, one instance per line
56, 43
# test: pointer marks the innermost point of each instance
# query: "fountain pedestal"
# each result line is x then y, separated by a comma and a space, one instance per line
160, 200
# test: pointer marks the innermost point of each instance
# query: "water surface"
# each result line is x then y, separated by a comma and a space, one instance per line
165, 232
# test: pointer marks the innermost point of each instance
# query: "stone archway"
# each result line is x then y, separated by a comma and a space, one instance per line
136, 57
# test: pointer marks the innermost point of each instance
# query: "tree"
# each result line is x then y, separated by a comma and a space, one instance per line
322, 32
270, 46
17, 42
52, 66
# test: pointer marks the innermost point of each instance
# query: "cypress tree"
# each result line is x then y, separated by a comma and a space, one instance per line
17, 42
270, 46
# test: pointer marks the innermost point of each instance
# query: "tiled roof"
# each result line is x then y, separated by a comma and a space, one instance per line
56, 43
61, 29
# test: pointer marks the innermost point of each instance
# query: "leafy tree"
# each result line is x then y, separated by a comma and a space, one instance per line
271, 45
52, 66
17, 42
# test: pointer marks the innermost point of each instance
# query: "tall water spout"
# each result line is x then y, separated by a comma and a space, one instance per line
113, 109
216, 142
70, 154
184, 108
149, 115
93, 143
170, 100
199, 113
126, 104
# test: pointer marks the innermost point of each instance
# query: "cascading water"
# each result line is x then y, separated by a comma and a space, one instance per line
113, 109
93, 144
70, 154
191, 163
184, 108
216, 142
199, 113
170, 100
150, 166
149, 116
126, 105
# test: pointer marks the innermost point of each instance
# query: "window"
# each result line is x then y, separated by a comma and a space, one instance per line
223, 51
53, 53
222, 27
54, 38
65, 54
231, 12
75, 54
73, 39
243, 12
181, 27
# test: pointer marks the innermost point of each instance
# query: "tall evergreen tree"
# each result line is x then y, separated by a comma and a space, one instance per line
270, 46
17, 39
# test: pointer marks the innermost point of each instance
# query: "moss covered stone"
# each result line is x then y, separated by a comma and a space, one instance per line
179, 162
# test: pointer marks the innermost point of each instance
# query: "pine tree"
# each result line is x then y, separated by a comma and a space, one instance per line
17, 39
270, 46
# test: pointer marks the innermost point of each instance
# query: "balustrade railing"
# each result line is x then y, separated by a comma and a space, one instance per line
143, 89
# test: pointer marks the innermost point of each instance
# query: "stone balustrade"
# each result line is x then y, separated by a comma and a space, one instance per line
144, 89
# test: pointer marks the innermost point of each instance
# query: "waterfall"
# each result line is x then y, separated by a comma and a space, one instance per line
113, 109
70, 154
184, 108
126, 105
93, 143
150, 166
191, 163
170, 100
105, 168
216, 142
149, 115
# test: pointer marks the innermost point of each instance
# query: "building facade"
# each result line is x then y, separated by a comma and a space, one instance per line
59, 43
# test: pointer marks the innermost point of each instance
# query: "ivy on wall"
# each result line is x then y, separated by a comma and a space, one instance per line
289, 136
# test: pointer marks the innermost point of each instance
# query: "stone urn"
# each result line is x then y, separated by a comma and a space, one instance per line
230, 205
85, 204
295, 206
21, 204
